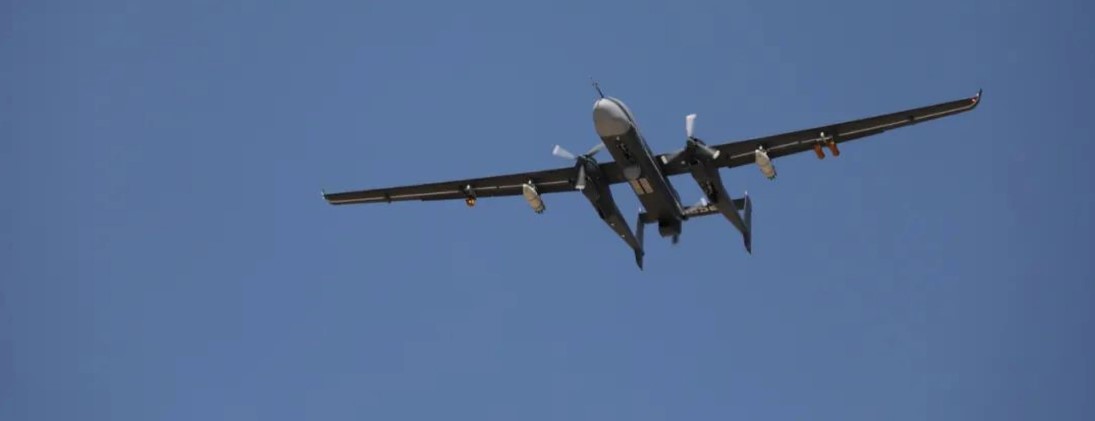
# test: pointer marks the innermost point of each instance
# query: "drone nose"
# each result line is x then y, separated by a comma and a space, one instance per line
609, 118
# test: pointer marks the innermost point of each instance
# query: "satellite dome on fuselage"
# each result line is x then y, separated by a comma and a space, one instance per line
611, 117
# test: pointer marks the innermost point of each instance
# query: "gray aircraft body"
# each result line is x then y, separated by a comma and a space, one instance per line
648, 173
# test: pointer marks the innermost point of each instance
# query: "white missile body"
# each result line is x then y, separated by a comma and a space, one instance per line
533, 198
765, 164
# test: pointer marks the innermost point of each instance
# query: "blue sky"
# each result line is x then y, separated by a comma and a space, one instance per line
168, 255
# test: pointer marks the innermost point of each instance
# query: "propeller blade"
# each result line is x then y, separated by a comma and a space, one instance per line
712, 152
596, 148
562, 153
581, 184
673, 156
581, 161
689, 124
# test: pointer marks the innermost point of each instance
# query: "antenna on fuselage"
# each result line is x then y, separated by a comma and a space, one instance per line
597, 87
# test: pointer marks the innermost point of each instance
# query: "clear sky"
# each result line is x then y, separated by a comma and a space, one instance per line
167, 254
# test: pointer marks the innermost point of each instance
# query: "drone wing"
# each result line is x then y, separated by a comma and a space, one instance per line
739, 153
545, 181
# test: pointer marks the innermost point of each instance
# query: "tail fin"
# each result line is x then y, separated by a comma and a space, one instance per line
640, 223
746, 206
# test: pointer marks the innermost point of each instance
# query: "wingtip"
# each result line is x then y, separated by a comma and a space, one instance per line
975, 100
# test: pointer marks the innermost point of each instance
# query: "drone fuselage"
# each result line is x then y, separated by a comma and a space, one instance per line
619, 132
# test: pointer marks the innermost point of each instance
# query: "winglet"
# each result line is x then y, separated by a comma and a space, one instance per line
976, 98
